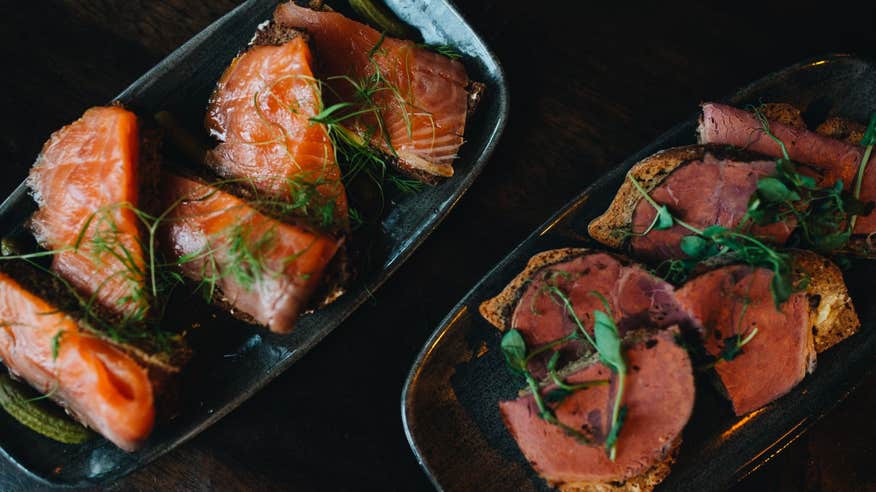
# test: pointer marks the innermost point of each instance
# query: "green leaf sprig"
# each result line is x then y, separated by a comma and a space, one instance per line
605, 340
517, 359
608, 345
732, 346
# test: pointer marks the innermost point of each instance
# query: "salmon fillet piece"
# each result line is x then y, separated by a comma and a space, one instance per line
264, 268
85, 182
260, 112
420, 96
100, 385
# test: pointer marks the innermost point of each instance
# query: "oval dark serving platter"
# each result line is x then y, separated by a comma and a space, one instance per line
450, 400
238, 359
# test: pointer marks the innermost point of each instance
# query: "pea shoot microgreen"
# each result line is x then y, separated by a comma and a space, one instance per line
823, 217
606, 341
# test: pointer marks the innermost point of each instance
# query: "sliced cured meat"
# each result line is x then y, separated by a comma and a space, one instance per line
417, 98
836, 159
99, 384
659, 396
727, 304
711, 191
85, 182
262, 267
261, 113
635, 297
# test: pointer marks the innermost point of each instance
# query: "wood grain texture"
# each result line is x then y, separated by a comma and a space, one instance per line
591, 83
157, 26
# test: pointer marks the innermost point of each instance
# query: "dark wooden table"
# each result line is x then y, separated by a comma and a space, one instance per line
590, 85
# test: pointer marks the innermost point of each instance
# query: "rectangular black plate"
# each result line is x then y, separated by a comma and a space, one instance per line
450, 401
240, 359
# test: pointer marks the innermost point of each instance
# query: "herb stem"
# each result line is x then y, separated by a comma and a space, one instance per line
545, 412
615, 413
574, 387
550, 345
568, 304
644, 193
868, 140
765, 124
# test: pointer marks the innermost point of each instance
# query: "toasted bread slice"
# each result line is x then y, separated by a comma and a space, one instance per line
842, 129
498, 310
784, 113
831, 312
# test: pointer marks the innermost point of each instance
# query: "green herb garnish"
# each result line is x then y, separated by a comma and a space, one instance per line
517, 359
56, 343
824, 215
868, 141
370, 96
443, 49
608, 345
605, 341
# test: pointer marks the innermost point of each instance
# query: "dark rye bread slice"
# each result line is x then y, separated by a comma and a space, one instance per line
842, 129
832, 314
613, 227
500, 311
832, 153
585, 277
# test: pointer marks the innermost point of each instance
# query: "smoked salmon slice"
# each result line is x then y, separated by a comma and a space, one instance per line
86, 184
99, 384
415, 100
263, 268
261, 113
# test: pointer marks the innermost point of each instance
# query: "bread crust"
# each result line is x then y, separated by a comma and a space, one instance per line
499, 310
783, 113
832, 314
842, 129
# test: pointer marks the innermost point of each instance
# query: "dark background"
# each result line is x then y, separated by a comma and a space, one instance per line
591, 82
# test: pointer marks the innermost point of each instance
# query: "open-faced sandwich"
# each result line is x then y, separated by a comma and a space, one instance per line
732, 231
